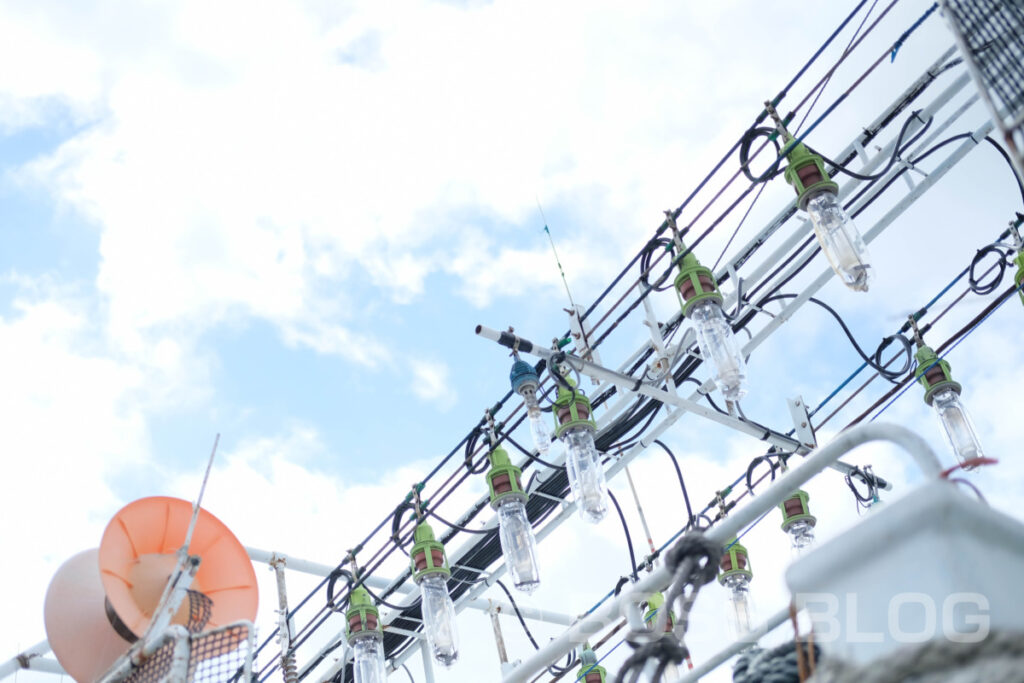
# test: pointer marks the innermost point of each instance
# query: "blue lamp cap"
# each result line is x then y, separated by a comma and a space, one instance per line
522, 373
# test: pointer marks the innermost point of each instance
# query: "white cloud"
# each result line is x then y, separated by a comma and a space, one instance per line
431, 382
237, 166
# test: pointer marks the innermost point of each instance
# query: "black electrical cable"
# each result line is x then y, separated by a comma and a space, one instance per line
397, 521
706, 395
331, 578
950, 340
560, 670
645, 263
457, 526
874, 362
897, 149
867, 479
745, 143
471, 450
628, 443
989, 287
519, 615
682, 484
529, 454
753, 466
962, 136
629, 539
408, 673
377, 598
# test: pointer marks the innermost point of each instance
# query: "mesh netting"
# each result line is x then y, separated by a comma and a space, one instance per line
994, 32
200, 608
156, 668
218, 656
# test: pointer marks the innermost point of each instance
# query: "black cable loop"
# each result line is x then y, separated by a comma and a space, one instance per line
991, 286
471, 443
397, 519
646, 257
331, 579
868, 480
747, 141
553, 369
753, 466
907, 351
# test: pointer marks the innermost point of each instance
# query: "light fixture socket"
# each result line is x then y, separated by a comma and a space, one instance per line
806, 173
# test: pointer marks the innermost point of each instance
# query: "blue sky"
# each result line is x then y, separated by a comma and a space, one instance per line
282, 222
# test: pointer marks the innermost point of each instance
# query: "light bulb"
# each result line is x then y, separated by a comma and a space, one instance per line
741, 608
439, 618
518, 544
801, 534
719, 346
586, 475
957, 425
538, 426
368, 658
840, 240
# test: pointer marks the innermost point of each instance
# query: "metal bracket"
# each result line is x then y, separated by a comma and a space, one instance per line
802, 422
662, 364
580, 331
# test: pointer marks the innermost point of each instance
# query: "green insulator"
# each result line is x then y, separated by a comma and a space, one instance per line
806, 173
933, 373
427, 555
695, 283
795, 509
734, 562
590, 671
362, 615
572, 409
504, 480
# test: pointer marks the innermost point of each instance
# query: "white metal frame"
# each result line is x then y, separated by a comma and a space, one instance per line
627, 602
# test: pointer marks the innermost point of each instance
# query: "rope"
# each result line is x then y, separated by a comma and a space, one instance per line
694, 564
999, 657
693, 561
777, 665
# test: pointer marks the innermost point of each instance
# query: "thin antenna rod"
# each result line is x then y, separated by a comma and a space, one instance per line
559, 262
202, 490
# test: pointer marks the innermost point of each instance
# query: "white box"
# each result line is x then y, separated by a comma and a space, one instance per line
936, 564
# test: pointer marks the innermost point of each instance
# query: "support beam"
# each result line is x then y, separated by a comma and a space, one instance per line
23, 659
723, 655
731, 526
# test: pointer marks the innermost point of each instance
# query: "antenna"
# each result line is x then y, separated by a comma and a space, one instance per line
555, 251
199, 500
